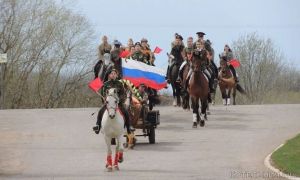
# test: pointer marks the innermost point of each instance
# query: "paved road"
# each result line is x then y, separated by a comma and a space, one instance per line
59, 144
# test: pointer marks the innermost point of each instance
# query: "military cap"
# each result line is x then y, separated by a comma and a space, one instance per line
179, 37
137, 43
144, 40
116, 42
201, 34
113, 69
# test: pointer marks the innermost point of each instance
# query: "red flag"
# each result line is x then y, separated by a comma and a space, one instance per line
124, 54
235, 63
157, 50
96, 84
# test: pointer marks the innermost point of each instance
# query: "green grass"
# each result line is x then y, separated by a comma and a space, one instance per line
287, 158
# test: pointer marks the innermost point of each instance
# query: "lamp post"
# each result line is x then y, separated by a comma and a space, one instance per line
3, 61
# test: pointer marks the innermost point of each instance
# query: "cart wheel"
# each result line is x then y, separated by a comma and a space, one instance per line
151, 135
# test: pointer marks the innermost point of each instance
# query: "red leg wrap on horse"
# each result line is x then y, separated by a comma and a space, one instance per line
109, 160
116, 159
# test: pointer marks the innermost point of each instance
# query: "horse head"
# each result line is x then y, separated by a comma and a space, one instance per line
224, 70
198, 59
112, 101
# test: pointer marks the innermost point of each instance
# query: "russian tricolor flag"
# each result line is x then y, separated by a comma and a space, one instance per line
139, 72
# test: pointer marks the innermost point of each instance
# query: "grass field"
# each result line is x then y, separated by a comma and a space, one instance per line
287, 158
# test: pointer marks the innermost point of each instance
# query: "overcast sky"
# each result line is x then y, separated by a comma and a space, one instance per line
222, 21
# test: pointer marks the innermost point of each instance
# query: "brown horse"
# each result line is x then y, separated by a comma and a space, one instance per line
228, 84
198, 87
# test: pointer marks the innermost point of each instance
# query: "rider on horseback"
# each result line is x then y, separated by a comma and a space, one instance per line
176, 55
204, 67
113, 83
227, 55
147, 52
104, 48
115, 56
138, 54
187, 55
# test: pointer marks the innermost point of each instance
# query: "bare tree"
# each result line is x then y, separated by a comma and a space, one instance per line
263, 71
49, 50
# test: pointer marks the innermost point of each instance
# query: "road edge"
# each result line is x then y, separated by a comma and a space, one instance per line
267, 163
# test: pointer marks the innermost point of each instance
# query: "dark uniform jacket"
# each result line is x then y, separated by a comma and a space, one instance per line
114, 84
117, 60
177, 53
139, 56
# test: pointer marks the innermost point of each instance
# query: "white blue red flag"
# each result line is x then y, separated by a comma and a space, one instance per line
139, 72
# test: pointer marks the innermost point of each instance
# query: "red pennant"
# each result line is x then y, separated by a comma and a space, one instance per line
157, 50
124, 54
96, 84
235, 63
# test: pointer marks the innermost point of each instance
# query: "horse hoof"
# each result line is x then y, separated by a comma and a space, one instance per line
116, 167
108, 168
194, 125
202, 123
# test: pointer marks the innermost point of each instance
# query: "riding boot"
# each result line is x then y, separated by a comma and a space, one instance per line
127, 119
167, 75
97, 68
99, 120
179, 75
185, 86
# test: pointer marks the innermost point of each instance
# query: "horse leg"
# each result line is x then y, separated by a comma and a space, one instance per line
178, 94
109, 152
228, 97
119, 153
224, 96
188, 102
233, 95
203, 111
195, 111
207, 109
174, 94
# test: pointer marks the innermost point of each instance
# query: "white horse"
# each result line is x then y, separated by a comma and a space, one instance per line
113, 127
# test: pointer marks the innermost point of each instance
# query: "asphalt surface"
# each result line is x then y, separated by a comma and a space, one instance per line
59, 144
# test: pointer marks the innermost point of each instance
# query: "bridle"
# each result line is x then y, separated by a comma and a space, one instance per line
109, 107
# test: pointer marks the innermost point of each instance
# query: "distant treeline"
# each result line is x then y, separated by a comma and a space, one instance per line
51, 53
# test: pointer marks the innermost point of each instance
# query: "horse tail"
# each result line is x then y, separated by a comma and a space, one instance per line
240, 89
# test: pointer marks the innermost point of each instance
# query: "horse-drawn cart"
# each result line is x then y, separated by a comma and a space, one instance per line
142, 119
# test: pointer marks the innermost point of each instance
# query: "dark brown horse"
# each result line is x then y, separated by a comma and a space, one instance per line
227, 84
198, 87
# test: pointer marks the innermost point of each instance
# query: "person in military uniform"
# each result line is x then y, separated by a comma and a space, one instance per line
147, 51
103, 48
176, 55
200, 38
113, 83
115, 57
143, 93
138, 54
174, 42
187, 56
129, 44
227, 55
204, 65
144, 96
